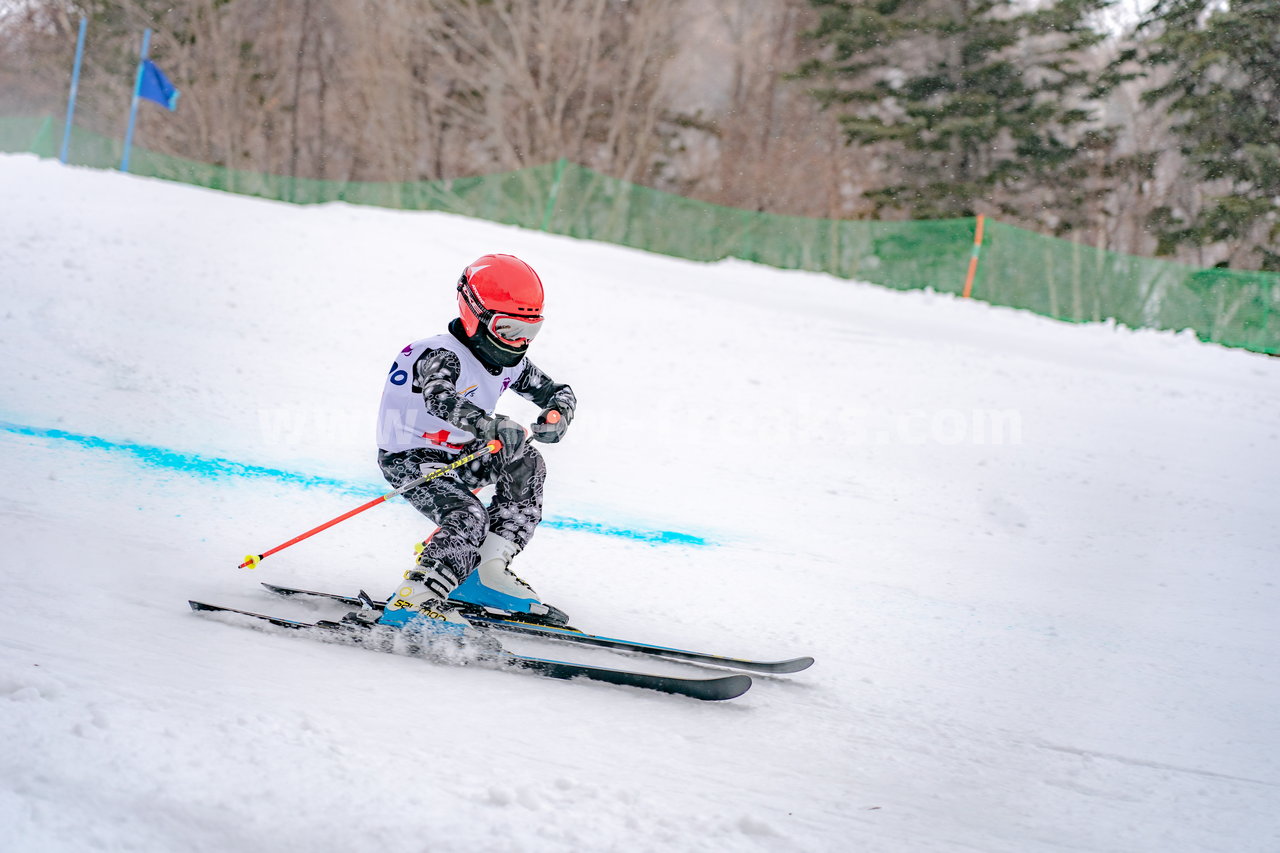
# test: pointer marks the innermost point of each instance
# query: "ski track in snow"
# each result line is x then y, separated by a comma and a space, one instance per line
1036, 562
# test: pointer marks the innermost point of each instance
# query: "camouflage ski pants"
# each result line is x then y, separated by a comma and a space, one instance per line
450, 502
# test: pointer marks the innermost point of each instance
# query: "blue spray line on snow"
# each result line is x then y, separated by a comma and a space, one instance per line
216, 467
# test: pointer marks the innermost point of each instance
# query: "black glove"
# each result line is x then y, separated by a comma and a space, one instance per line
506, 430
551, 425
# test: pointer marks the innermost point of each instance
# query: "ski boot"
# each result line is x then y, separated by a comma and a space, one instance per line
420, 605
493, 585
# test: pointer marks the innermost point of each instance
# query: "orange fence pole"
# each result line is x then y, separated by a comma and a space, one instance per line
973, 257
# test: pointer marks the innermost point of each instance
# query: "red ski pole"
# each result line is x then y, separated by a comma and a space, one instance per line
493, 446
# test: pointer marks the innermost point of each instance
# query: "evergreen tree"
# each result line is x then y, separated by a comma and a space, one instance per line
1222, 63
981, 104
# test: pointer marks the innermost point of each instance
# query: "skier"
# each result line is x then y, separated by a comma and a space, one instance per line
438, 402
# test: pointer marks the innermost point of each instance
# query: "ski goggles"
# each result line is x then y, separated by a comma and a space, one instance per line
513, 330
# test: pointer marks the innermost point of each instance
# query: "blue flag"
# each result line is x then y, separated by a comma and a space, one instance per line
156, 87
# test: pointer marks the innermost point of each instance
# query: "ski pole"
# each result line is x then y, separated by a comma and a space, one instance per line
492, 446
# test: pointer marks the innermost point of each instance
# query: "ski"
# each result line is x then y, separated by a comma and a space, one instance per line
479, 616
711, 689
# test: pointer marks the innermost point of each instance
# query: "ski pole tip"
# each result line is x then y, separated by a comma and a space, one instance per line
250, 561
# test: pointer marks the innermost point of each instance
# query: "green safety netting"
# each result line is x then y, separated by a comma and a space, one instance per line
1057, 278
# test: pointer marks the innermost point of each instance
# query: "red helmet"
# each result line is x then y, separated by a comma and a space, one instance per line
500, 305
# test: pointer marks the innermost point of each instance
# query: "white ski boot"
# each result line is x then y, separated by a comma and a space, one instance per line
494, 585
421, 604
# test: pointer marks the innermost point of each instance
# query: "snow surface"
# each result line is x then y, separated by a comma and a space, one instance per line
1036, 562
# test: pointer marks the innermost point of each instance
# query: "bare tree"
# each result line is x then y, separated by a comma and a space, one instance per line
530, 82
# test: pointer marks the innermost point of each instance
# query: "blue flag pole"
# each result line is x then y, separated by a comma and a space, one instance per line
75, 84
133, 107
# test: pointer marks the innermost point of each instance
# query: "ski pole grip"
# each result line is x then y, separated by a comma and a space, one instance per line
553, 417
494, 445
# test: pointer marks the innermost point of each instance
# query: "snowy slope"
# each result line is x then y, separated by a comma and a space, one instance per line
1037, 563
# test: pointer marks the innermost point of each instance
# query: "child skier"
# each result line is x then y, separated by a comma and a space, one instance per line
438, 402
